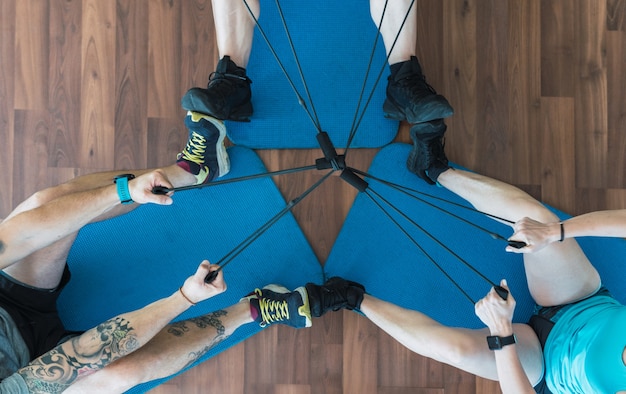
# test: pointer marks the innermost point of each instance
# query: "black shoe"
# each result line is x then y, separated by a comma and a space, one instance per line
227, 96
427, 159
410, 98
335, 294
275, 304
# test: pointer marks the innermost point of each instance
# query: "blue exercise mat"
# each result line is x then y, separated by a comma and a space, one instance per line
372, 250
333, 42
125, 263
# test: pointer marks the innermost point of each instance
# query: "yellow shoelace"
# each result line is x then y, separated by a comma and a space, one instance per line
194, 151
271, 310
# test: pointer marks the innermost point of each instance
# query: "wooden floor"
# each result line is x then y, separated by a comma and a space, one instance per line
540, 97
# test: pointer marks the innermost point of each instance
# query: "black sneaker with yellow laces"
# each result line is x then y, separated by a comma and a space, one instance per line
275, 304
204, 155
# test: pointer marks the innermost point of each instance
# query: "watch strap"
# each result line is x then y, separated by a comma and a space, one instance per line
497, 343
121, 183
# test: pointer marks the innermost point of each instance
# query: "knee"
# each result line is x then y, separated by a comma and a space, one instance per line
456, 351
531, 208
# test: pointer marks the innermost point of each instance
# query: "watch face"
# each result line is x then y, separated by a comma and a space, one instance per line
494, 343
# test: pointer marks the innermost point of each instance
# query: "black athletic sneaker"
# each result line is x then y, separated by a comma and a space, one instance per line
275, 304
337, 293
205, 155
410, 98
428, 159
227, 96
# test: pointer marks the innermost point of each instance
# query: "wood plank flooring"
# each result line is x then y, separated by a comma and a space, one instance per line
538, 87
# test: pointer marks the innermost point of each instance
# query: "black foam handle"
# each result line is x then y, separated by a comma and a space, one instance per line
211, 276
354, 180
326, 145
517, 244
162, 190
502, 292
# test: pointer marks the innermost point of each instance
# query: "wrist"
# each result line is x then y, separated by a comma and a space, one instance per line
557, 230
182, 293
121, 184
502, 330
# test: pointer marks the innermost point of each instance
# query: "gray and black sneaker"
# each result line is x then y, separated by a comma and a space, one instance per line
227, 96
205, 155
427, 159
410, 97
276, 304
337, 293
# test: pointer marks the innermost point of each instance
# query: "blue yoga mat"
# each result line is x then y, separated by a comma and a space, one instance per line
333, 42
127, 262
372, 250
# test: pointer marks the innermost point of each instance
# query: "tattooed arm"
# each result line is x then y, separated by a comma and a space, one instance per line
56, 370
34, 229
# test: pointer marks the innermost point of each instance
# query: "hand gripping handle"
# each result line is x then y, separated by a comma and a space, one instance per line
502, 292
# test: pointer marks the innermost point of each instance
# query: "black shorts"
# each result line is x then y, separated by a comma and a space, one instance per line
34, 312
542, 322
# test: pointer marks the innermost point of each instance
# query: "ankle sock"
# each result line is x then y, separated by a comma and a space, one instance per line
254, 309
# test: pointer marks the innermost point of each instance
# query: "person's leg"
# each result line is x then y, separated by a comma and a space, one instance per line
392, 17
203, 159
228, 94
409, 96
459, 347
234, 28
557, 274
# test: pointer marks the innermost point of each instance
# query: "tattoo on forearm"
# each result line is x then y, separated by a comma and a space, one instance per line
211, 320
56, 370
1, 247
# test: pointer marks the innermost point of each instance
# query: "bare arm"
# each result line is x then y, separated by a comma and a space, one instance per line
497, 314
537, 235
57, 369
37, 228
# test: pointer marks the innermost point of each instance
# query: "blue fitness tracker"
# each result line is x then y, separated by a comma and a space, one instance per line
121, 181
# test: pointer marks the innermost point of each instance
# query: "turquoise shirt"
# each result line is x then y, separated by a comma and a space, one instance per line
583, 353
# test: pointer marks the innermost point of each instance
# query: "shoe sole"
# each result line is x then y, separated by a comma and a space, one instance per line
223, 161
338, 279
434, 110
190, 102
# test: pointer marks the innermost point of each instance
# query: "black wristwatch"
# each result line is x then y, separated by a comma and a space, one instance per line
121, 181
497, 343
